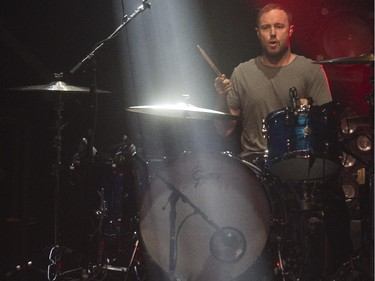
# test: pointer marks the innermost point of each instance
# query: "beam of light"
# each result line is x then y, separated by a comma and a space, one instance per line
161, 64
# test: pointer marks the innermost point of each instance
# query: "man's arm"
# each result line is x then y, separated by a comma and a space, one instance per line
223, 86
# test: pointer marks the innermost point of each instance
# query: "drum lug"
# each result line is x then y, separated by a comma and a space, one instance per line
306, 131
264, 129
287, 119
288, 145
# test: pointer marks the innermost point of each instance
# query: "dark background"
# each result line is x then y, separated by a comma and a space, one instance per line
155, 53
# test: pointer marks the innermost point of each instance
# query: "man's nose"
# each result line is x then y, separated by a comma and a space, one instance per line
273, 31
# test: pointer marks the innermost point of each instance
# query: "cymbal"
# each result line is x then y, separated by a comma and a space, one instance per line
181, 110
361, 59
55, 87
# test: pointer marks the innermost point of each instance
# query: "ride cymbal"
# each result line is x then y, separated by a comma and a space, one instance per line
361, 59
181, 110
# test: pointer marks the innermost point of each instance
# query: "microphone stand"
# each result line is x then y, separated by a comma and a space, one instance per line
90, 60
127, 19
173, 199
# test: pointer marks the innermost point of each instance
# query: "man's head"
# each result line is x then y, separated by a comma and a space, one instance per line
274, 30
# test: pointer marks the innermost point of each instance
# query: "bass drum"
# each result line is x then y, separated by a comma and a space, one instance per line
222, 217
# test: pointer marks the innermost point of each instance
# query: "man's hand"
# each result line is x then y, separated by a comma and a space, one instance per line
222, 85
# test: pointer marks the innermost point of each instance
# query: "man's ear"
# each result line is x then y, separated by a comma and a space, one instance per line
291, 30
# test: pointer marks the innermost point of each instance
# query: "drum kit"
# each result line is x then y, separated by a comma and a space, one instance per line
213, 216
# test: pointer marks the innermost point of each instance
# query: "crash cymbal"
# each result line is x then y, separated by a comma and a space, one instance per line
361, 59
55, 87
181, 110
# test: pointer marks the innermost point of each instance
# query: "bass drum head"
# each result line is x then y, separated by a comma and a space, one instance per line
221, 226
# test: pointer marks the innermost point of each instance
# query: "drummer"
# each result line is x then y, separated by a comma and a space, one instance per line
261, 86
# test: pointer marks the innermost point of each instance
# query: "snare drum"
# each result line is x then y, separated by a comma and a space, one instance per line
302, 144
222, 223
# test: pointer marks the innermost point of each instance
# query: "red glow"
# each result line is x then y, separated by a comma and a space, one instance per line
325, 30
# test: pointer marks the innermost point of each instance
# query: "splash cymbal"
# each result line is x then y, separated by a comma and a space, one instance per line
361, 59
181, 110
55, 87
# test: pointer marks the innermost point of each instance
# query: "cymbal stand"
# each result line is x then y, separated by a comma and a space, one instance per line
54, 267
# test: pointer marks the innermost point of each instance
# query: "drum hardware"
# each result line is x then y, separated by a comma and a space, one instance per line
293, 97
366, 197
132, 259
302, 251
280, 264
299, 258
258, 171
145, 5
113, 229
54, 268
89, 62
127, 148
57, 91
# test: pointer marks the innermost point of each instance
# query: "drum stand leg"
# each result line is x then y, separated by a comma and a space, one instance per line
281, 264
131, 260
302, 259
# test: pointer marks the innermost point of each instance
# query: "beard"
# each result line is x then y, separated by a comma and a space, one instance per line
276, 55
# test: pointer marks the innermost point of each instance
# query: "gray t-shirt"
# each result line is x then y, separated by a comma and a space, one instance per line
259, 90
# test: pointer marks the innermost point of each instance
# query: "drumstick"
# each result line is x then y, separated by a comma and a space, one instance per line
207, 58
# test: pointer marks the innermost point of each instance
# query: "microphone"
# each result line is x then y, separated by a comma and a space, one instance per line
145, 5
293, 97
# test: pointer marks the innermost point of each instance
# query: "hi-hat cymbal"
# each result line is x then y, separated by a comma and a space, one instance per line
181, 110
361, 59
55, 87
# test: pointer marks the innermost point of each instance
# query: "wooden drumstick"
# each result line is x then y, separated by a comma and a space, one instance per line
207, 58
